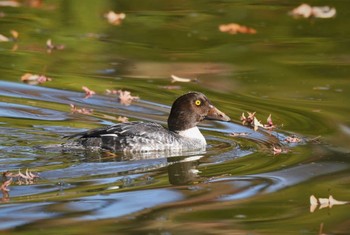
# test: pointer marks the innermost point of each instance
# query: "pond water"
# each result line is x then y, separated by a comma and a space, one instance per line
295, 69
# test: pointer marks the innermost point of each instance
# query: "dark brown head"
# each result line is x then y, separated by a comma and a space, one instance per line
189, 109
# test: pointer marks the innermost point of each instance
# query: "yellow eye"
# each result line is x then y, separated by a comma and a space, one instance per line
198, 102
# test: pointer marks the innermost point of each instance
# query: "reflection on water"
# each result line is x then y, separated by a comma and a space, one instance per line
297, 70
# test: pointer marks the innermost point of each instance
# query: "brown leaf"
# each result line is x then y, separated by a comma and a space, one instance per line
235, 134
9, 4
306, 11
278, 150
4, 185
243, 119
34, 79
122, 119
75, 109
124, 97
14, 36
292, 139
114, 18
269, 125
50, 46
234, 28
88, 92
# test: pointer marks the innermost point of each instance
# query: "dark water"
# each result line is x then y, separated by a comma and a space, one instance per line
295, 69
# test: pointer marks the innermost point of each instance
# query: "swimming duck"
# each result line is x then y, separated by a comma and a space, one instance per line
135, 137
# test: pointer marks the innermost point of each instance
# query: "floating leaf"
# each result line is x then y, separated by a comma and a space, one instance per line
257, 124
114, 18
4, 185
4, 38
324, 202
252, 121
306, 11
122, 119
292, 139
235, 134
88, 92
234, 28
75, 109
313, 200
278, 150
180, 79
170, 87
50, 46
9, 4
34, 79
14, 36
124, 97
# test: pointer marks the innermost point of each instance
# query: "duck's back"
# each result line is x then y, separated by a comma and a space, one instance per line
136, 137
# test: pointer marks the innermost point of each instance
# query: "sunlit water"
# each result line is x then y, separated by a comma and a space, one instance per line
295, 69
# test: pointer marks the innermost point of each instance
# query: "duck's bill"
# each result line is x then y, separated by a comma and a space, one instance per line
215, 114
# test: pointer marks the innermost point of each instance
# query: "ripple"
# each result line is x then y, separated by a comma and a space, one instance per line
30, 112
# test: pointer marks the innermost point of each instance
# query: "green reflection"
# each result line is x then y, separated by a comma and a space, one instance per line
295, 69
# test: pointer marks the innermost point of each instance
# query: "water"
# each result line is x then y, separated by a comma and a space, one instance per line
295, 69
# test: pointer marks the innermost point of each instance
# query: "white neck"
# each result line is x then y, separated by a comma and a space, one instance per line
193, 133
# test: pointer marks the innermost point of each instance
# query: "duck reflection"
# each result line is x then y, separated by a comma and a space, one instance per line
183, 171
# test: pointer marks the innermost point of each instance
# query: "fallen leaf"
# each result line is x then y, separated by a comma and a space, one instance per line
278, 150
4, 185
14, 36
75, 109
122, 119
252, 121
180, 79
324, 202
243, 119
34, 79
10, 177
333, 202
269, 125
34, 3
9, 4
324, 12
313, 203
235, 134
4, 38
306, 11
292, 139
257, 124
124, 97
248, 120
170, 87
111, 92
234, 28
114, 18
50, 46
88, 92
313, 200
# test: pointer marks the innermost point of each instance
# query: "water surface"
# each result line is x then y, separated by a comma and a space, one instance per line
295, 69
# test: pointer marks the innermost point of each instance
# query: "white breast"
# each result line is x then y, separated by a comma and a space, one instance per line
193, 133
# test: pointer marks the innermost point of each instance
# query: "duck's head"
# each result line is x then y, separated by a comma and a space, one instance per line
189, 109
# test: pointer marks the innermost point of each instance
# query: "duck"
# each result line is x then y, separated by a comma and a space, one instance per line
182, 134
